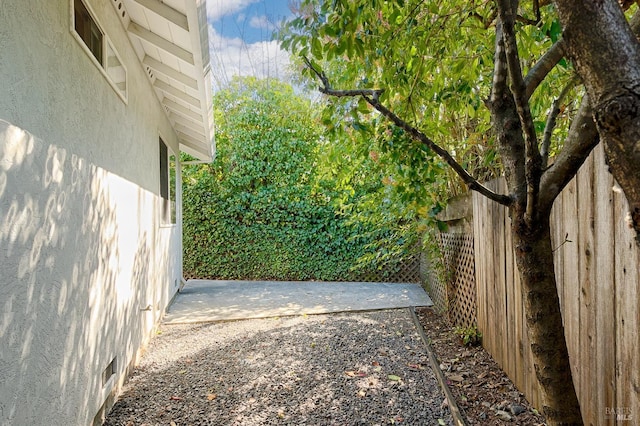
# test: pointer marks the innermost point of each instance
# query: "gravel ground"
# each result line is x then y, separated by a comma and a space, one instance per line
366, 368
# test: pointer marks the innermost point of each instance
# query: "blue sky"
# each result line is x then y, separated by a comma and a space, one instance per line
240, 38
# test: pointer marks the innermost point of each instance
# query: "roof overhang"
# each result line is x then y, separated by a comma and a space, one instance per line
171, 40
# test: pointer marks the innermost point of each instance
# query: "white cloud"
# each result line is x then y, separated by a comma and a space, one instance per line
261, 22
216, 9
233, 57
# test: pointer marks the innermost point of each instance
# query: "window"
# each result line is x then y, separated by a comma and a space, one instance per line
167, 184
88, 30
89, 34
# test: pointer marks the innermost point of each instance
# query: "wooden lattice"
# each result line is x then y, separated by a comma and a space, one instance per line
405, 271
455, 291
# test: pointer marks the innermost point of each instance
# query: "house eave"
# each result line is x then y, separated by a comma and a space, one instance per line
171, 40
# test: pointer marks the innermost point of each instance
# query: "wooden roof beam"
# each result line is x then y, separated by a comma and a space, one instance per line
165, 11
173, 91
160, 42
170, 72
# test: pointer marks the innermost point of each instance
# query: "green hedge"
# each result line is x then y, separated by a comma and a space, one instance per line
260, 211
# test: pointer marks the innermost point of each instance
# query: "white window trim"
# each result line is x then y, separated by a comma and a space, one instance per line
106, 41
163, 222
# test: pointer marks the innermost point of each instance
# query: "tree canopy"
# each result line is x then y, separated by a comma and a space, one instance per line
472, 85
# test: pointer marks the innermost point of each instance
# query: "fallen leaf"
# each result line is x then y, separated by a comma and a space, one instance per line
456, 378
441, 422
394, 377
172, 423
415, 366
362, 393
375, 363
355, 373
212, 396
482, 375
175, 398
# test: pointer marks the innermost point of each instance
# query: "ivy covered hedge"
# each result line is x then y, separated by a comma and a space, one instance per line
260, 211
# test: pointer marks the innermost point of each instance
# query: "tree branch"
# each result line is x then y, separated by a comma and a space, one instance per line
486, 22
544, 66
499, 86
506, 11
551, 121
582, 138
506, 124
371, 96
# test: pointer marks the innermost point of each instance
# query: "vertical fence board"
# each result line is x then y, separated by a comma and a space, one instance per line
571, 299
602, 354
480, 258
483, 259
499, 285
582, 343
627, 296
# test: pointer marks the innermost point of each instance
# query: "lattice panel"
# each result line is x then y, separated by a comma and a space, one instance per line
460, 289
436, 288
407, 271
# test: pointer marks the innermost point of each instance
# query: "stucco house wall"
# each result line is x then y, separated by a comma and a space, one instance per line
87, 267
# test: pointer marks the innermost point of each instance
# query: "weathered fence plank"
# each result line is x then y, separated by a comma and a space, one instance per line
582, 342
627, 291
604, 290
598, 274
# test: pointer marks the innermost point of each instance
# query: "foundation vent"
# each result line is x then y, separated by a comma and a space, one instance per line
109, 371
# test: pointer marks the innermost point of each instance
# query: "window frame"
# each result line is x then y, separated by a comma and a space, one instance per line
106, 46
168, 205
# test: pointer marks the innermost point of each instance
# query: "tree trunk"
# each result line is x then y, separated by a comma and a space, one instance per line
606, 54
534, 257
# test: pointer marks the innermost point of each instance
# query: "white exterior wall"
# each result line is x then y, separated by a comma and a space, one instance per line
82, 249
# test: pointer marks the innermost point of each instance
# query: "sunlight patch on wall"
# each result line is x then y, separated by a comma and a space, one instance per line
17, 146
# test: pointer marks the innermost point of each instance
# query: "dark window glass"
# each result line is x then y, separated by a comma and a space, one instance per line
87, 29
167, 182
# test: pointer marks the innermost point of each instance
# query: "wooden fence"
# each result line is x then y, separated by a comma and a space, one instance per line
597, 269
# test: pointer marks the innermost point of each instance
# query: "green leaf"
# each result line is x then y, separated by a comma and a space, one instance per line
316, 48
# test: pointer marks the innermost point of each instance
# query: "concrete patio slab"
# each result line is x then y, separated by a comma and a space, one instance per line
206, 301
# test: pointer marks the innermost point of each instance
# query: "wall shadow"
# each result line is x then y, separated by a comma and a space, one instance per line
78, 270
